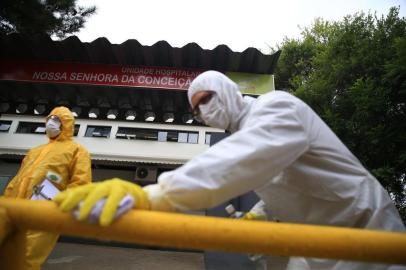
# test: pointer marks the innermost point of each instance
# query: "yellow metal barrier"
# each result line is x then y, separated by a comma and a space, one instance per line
209, 233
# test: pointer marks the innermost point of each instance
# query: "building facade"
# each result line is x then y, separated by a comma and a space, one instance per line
132, 114
130, 101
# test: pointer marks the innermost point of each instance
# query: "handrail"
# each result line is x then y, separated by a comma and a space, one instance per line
212, 233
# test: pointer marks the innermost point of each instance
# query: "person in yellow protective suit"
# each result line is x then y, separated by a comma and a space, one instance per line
61, 161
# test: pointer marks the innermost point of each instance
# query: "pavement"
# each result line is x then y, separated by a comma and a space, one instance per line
73, 256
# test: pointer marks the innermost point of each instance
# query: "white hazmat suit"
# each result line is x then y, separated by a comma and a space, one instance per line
283, 150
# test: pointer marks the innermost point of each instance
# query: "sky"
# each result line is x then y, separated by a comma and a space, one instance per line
238, 24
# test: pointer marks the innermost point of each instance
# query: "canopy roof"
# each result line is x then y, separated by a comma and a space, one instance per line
100, 51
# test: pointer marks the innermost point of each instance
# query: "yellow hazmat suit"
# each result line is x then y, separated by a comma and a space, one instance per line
62, 161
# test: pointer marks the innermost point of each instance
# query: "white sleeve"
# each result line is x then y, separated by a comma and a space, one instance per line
271, 140
259, 210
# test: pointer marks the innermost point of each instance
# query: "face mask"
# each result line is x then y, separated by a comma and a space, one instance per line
52, 128
213, 113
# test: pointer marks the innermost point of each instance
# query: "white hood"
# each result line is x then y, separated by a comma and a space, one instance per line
228, 92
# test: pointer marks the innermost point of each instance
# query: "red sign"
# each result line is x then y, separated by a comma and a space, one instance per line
98, 74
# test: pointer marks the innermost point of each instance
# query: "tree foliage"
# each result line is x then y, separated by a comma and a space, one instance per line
353, 74
51, 17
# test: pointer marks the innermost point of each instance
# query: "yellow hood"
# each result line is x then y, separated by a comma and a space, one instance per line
67, 121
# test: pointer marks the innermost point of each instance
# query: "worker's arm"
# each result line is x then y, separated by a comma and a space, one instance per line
80, 168
240, 163
272, 140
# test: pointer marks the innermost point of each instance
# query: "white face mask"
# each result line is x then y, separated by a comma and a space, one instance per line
52, 128
213, 113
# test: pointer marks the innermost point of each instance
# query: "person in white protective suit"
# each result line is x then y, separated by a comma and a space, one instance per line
281, 149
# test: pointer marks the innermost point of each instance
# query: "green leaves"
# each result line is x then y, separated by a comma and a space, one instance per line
353, 74
51, 17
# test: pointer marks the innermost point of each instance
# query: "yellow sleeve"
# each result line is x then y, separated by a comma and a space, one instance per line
81, 170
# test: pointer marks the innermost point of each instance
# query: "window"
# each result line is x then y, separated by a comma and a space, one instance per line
214, 137
207, 138
98, 131
182, 137
76, 131
5, 125
172, 136
193, 137
125, 133
146, 134
31, 127
162, 136
157, 135
137, 134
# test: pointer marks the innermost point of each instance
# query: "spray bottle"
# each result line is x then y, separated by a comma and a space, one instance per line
232, 212
238, 214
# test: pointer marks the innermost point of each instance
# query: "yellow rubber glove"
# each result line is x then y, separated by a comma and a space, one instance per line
253, 216
114, 190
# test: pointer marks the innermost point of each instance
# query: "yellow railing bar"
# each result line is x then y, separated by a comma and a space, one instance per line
211, 233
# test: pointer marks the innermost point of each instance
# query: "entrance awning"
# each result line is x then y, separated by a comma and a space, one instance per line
29, 97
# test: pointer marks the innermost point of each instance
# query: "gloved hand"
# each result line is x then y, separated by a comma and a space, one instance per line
125, 205
114, 190
253, 216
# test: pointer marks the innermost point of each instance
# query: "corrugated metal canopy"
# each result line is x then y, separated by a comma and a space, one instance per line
131, 52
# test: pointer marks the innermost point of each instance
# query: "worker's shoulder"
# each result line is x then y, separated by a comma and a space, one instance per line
37, 148
81, 147
279, 96
75, 145
81, 151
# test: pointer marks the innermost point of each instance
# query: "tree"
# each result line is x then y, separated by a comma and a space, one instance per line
296, 61
355, 79
51, 17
